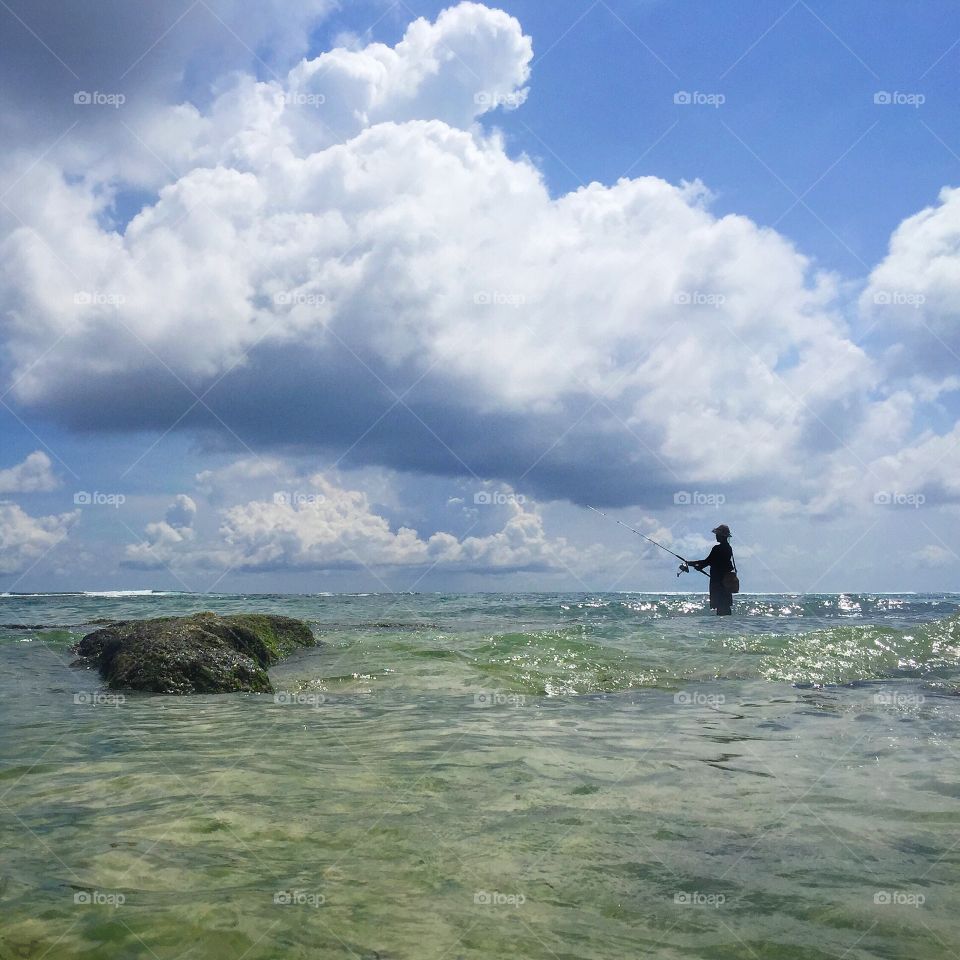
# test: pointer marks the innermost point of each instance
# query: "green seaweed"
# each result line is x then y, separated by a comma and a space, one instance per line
202, 653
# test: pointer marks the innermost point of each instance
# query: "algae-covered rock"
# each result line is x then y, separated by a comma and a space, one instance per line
203, 653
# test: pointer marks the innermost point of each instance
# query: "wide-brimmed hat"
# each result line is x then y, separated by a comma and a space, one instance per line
723, 530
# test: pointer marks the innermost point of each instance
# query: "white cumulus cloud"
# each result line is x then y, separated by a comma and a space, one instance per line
25, 539
165, 540
34, 474
323, 526
329, 238
934, 556
914, 293
337, 528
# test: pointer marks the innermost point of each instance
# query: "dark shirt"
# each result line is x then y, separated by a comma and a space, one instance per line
720, 561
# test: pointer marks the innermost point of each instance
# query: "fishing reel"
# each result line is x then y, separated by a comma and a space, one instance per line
684, 568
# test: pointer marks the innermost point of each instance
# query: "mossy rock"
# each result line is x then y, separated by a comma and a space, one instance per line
203, 653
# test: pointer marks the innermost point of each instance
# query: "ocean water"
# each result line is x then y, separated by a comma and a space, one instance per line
491, 776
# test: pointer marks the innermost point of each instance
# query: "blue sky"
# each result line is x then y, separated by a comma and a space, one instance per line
394, 339
799, 81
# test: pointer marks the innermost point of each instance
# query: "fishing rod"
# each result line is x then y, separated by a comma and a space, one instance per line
686, 563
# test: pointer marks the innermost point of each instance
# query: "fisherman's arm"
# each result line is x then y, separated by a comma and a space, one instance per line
700, 564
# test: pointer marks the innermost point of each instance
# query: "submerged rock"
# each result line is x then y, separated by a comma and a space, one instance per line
202, 653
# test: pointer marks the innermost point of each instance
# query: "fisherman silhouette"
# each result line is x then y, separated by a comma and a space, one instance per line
721, 563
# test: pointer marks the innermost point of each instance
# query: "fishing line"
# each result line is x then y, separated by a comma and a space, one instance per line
645, 537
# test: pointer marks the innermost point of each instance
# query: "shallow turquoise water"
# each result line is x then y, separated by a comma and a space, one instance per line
490, 776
